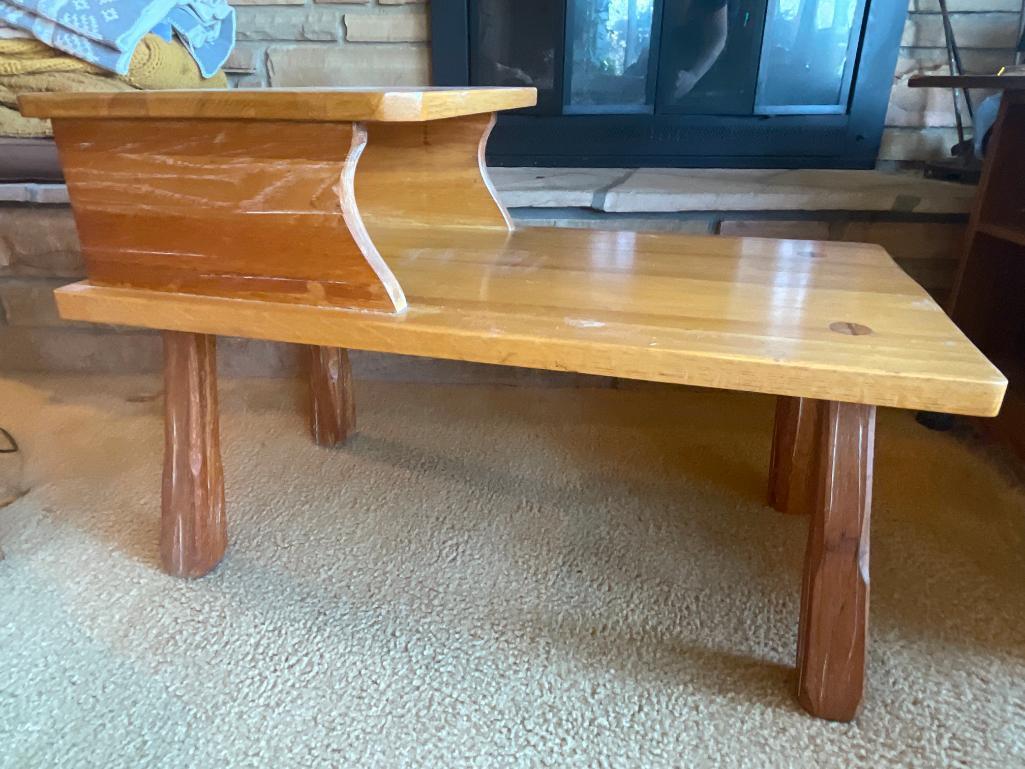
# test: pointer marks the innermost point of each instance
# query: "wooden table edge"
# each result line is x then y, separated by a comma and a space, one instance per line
362, 330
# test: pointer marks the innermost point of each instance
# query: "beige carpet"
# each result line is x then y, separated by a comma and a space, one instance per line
488, 577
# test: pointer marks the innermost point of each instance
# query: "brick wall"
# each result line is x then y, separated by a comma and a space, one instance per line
331, 43
920, 122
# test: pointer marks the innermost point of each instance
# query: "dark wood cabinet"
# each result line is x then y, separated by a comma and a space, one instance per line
988, 300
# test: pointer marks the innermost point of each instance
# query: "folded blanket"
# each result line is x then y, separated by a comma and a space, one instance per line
156, 64
207, 28
13, 124
20, 57
28, 66
11, 121
106, 32
159, 65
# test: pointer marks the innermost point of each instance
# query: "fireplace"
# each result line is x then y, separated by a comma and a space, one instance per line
700, 83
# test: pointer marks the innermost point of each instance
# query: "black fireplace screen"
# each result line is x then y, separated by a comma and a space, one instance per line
789, 83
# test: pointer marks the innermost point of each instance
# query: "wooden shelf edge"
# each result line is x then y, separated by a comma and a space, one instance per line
307, 105
1002, 232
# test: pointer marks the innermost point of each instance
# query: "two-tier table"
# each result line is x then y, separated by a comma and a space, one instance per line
365, 219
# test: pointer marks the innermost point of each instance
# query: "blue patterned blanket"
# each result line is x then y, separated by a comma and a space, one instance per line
105, 32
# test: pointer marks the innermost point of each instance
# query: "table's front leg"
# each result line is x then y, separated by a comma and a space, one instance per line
834, 595
332, 406
193, 526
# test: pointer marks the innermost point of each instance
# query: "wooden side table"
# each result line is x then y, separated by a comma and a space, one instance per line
365, 220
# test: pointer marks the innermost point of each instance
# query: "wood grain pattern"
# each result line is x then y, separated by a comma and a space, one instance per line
312, 105
193, 525
269, 210
747, 314
332, 406
428, 175
259, 209
793, 466
834, 596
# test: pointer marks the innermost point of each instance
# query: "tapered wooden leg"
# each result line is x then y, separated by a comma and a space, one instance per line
193, 526
332, 408
834, 596
793, 474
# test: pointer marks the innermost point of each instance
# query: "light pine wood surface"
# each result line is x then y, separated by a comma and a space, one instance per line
427, 175
309, 105
833, 321
323, 233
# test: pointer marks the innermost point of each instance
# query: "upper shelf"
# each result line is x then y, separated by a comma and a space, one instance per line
305, 104
997, 82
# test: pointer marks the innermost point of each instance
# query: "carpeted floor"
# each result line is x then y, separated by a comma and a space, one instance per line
487, 577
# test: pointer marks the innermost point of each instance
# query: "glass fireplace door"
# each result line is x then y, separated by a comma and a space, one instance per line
699, 57
611, 64
808, 56
667, 82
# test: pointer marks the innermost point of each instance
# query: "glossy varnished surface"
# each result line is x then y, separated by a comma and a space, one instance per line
305, 104
268, 210
427, 175
219, 207
781, 317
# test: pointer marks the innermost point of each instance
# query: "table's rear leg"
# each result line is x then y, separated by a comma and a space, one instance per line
793, 476
332, 407
834, 595
193, 526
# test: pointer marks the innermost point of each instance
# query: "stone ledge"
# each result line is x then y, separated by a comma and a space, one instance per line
32, 192
671, 190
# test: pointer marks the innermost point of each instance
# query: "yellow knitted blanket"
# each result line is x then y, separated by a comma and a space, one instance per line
29, 66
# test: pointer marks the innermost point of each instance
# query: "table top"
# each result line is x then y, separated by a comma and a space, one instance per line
837, 321
306, 104
998, 82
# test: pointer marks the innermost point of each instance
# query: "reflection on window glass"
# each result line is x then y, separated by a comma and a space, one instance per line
709, 55
611, 42
807, 52
516, 43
